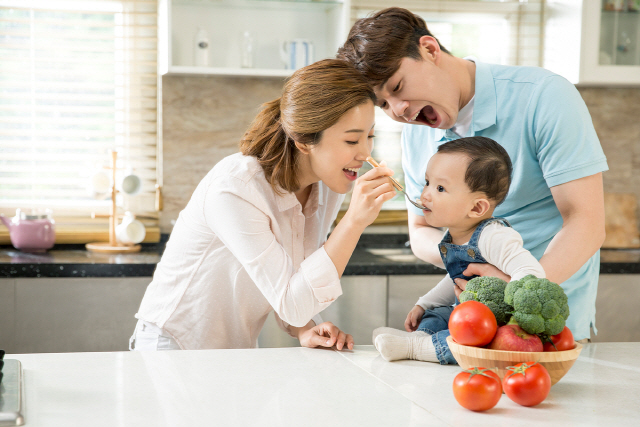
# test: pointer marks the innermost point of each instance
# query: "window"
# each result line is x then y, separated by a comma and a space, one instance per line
78, 78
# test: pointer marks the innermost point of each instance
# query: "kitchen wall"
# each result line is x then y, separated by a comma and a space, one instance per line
204, 118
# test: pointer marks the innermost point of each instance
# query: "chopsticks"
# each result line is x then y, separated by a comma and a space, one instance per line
395, 183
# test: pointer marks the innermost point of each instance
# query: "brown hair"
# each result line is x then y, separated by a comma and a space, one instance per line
376, 44
314, 98
489, 169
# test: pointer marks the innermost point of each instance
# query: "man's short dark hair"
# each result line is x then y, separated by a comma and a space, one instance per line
376, 44
489, 169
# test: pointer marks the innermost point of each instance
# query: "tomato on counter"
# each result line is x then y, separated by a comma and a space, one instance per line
477, 389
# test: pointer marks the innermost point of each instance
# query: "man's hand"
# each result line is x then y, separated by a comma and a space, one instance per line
325, 334
413, 318
476, 269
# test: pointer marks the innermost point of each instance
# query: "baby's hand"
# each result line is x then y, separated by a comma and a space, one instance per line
413, 318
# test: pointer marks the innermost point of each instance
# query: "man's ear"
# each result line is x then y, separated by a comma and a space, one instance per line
429, 48
480, 208
304, 149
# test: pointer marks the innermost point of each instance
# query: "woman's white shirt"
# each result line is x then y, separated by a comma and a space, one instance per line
239, 251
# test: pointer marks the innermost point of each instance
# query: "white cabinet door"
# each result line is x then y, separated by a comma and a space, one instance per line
591, 45
404, 292
360, 309
57, 315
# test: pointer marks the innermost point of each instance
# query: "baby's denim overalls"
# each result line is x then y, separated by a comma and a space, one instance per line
456, 258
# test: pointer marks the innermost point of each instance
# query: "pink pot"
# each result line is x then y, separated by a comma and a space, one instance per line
31, 233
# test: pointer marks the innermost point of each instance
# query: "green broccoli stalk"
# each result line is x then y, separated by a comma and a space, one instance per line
539, 305
489, 291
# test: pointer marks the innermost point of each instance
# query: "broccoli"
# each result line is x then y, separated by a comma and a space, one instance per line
489, 291
539, 305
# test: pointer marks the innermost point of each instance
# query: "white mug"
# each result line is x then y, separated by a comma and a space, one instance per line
100, 185
130, 231
131, 184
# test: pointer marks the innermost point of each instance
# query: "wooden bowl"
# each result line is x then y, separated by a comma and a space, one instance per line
557, 363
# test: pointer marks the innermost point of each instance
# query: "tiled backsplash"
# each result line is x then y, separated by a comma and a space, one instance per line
204, 118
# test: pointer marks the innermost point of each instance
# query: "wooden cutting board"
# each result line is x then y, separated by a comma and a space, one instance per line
621, 221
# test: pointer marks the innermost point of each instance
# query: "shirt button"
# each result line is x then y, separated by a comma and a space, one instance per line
471, 253
443, 249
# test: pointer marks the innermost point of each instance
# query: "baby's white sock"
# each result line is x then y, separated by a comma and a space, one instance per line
417, 347
396, 332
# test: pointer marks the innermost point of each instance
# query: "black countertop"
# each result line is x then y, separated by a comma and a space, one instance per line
376, 254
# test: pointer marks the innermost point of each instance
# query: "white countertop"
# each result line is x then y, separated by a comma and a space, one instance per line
306, 387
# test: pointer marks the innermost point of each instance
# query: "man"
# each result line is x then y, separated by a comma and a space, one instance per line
556, 201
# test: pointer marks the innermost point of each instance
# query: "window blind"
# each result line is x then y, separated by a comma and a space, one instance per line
78, 78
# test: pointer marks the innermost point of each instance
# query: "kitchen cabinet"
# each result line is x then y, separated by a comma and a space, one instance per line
360, 309
231, 26
593, 42
55, 315
51, 315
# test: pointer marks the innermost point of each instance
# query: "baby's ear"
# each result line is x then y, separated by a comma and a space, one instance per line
480, 208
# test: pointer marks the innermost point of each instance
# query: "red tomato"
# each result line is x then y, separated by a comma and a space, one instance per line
563, 341
477, 389
472, 323
527, 383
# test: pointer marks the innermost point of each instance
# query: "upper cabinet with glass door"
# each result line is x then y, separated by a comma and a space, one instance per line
594, 42
249, 37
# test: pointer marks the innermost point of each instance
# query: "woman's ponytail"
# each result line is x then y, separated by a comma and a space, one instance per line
268, 142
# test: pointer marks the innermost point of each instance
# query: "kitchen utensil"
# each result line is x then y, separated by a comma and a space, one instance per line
31, 233
557, 363
131, 184
11, 394
130, 231
112, 246
395, 184
296, 53
100, 185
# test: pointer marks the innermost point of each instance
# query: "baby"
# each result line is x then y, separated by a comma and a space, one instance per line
465, 181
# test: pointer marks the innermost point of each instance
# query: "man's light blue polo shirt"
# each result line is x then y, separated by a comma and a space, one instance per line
543, 123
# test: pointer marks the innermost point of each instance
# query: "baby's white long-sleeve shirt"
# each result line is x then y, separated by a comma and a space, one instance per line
501, 246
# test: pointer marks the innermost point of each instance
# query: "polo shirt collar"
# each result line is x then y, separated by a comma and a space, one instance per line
485, 104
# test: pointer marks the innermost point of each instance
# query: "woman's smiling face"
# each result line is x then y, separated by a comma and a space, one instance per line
446, 196
341, 152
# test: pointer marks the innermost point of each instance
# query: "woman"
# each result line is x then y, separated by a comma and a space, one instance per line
253, 237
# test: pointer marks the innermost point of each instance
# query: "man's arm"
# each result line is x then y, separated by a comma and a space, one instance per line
425, 239
581, 204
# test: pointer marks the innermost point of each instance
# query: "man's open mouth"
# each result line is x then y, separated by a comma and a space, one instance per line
427, 115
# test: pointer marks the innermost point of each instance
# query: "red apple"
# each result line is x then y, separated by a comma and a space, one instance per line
514, 338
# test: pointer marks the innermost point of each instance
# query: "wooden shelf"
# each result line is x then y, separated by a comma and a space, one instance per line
232, 72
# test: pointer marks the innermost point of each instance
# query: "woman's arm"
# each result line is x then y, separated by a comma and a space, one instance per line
372, 189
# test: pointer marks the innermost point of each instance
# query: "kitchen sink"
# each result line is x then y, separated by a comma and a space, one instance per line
395, 254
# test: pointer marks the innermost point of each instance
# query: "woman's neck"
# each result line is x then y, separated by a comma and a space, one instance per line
303, 195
